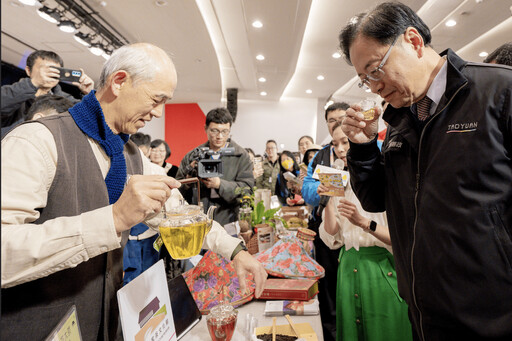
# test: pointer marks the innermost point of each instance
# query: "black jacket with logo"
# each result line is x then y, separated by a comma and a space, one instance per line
447, 191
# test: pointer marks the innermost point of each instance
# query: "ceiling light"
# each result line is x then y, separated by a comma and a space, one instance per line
328, 104
82, 38
309, 91
67, 26
28, 2
49, 14
260, 57
336, 55
257, 24
262, 79
263, 93
483, 54
320, 77
451, 23
96, 49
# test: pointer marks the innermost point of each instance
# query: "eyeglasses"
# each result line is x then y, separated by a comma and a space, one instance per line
217, 132
377, 73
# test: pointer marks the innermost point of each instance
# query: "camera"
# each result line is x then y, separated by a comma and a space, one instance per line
208, 165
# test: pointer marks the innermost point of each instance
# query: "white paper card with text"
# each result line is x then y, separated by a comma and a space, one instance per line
345, 176
145, 307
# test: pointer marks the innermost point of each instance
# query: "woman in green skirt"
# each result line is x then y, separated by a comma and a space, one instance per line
368, 306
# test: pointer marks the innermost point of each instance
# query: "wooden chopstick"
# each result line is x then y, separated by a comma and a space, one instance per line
292, 325
274, 329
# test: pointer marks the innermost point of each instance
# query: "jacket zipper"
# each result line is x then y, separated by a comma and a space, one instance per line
417, 188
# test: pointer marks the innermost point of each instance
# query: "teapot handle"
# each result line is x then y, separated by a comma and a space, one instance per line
209, 214
192, 180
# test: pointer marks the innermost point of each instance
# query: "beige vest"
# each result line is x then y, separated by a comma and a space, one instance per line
31, 310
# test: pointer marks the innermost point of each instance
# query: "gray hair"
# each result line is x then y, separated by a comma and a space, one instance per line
136, 59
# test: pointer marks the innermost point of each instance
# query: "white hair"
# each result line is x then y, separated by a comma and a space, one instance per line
138, 60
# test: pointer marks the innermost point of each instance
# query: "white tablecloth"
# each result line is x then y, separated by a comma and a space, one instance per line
256, 308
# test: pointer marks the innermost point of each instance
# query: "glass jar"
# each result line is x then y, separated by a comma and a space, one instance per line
245, 219
221, 322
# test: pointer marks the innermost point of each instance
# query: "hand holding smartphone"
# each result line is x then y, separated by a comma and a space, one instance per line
69, 75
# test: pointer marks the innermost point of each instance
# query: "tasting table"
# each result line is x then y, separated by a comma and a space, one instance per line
256, 308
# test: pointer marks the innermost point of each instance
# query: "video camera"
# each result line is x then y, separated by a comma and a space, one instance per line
208, 166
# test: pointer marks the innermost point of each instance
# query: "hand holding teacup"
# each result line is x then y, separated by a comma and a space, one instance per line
361, 123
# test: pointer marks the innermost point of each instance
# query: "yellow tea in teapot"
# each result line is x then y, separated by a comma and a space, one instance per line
184, 241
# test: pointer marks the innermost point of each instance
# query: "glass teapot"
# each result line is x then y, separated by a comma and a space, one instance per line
183, 229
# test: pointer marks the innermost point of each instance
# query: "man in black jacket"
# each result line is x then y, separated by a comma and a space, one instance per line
43, 79
444, 176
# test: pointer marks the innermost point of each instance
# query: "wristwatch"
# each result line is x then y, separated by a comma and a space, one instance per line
373, 226
240, 247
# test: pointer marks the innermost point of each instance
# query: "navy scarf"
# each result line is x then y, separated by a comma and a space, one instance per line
89, 118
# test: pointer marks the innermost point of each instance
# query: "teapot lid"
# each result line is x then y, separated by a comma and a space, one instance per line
184, 210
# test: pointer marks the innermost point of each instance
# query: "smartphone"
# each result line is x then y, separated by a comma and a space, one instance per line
69, 75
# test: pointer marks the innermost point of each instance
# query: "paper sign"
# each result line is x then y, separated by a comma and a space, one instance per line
67, 329
324, 169
345, 176
334, 182
145, 307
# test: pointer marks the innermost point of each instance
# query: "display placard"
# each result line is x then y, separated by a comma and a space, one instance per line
145, 307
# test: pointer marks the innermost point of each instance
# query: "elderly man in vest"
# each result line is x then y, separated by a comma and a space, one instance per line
66, 202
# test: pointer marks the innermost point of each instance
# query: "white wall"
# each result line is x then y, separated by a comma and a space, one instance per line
258, 121
155, 128
284, 121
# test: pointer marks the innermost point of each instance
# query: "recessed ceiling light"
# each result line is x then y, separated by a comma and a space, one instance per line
257, 24
309, 91
67, 26
263, 93
49, 14
451, 23
320, 77
83, 39
328, 103
336, 55
96, 49
28, 2
483, 54
262, 79
260, 57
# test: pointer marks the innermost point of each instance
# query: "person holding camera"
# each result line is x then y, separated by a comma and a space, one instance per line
219, 190
43, 78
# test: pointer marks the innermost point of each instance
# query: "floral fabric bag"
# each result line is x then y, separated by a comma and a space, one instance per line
214, 279
288, 259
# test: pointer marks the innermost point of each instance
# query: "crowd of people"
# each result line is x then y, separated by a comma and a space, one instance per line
419, 247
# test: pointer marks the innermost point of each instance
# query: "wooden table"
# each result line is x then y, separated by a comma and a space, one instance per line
256, 308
